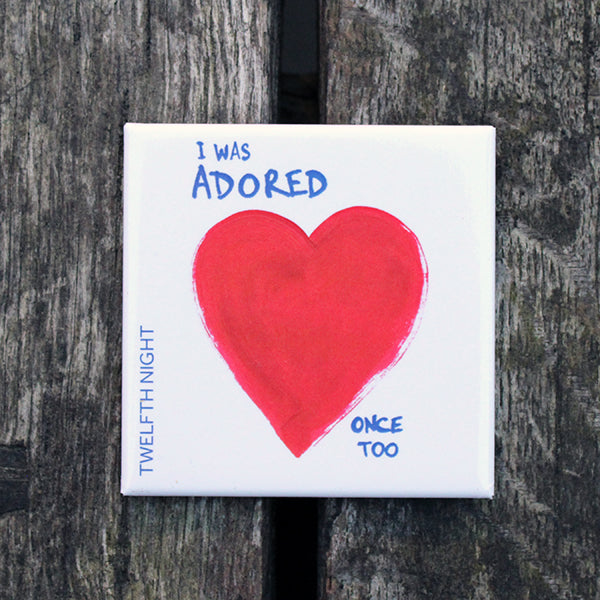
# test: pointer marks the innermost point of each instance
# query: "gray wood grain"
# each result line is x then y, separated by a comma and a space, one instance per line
71, 74
14, 478
532, 71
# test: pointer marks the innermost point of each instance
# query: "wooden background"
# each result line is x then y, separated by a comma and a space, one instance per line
71, 73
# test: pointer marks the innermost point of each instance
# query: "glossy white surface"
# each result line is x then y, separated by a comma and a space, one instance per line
208, 437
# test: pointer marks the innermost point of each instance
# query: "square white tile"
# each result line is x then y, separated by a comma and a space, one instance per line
308, 310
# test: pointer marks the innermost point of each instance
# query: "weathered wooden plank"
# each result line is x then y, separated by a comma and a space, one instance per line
71, 73
532, 71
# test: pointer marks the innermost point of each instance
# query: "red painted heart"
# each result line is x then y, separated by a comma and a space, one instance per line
305, 323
